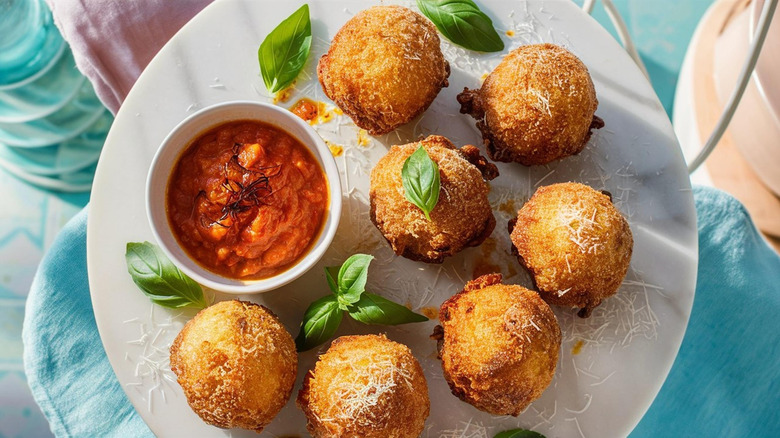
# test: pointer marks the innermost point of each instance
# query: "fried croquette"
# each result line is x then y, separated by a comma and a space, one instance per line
461, 218
384, 67
236, 364
575, 243
537, 106
498, 345
365, 386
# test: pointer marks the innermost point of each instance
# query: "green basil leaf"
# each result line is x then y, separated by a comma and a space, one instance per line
463, 23
352, 277
374, 309
320, 322
421, 181
160, 279
519, 433
283, 52
331, 273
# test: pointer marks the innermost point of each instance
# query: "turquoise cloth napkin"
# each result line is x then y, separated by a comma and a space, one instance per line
725, 381
66, 366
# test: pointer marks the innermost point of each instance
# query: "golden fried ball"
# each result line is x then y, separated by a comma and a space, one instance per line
236, 364
461, 218
575, 243
498, 345
365, 386
384, 67
537, 106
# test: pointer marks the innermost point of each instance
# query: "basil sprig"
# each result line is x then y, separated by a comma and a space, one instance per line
347, 285
374, 309
352, 279
519, 433
320, 322
160, 280
283, 52
421, 181
463, 23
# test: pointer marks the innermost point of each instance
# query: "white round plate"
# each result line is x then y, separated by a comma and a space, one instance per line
625, 349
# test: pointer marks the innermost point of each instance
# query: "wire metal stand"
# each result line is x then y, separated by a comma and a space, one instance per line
767, 12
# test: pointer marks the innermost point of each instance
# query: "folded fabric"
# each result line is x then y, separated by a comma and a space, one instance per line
725, 381
66, 366
113, 41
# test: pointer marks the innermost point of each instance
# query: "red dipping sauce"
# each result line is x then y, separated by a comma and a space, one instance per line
247, 200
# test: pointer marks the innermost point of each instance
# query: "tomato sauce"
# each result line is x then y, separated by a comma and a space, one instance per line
306, 109
247, 200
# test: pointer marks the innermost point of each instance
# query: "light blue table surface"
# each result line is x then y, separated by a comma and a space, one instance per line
31, 217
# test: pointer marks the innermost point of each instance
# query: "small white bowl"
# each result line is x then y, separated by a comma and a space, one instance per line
182, 136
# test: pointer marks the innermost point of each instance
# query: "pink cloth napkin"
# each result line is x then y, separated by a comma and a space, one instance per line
113, 41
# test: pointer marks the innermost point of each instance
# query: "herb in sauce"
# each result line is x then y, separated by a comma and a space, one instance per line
242, 197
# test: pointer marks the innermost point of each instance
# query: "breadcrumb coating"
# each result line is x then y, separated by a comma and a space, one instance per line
537, 106
384, 67
498, 344
575, 243
236, 364
365, 386
461, 218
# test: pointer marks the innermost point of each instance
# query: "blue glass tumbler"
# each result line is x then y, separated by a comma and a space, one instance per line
29, 41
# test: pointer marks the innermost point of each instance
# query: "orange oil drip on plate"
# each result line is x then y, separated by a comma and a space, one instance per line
430, 312
577, 347
306, 109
